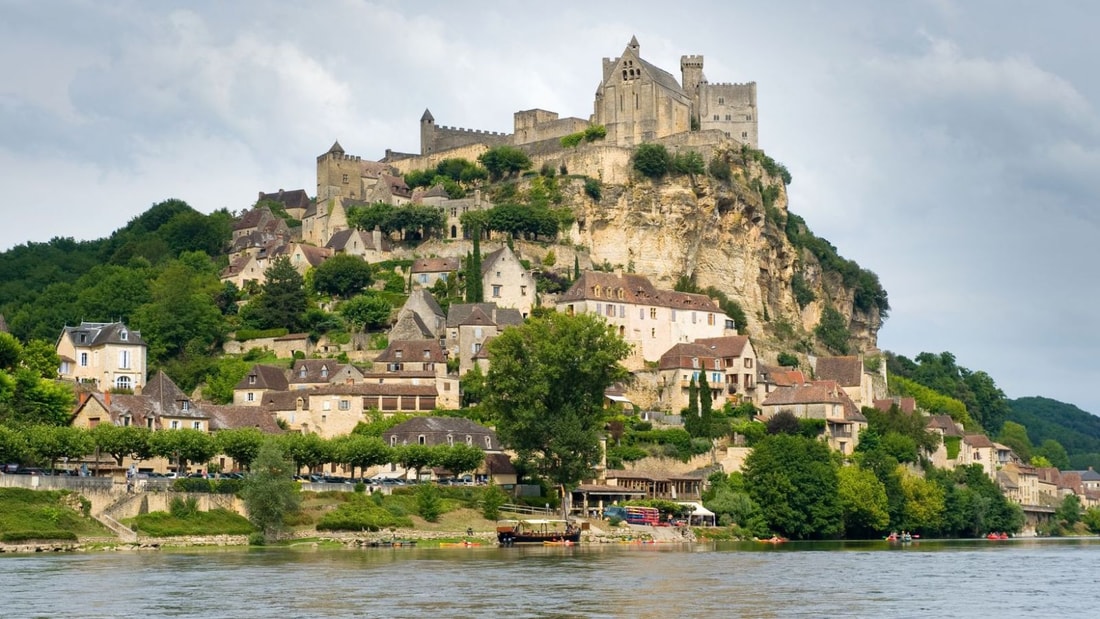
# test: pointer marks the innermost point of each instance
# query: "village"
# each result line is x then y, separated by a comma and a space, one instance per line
681, 342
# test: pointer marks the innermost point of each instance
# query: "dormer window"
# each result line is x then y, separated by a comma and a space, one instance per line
252, 379
302, 372
324, 371
427, 354
397, 354
469, 440
185, 405
123, 335
83, 338
488, 443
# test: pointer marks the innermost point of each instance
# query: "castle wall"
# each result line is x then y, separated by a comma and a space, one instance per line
470, 152
447, 138
339, 175
730, 108
537, 125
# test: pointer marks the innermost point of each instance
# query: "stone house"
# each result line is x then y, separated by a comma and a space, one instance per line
316, 373
772, 377
245, 268
294, 202
304, 257
949, 432
739, 363
820, 400
649, 318
978, 449
259, 380
471, 325
285, 346
506, 282
427, 271
108, 355
850, 374
1020, 483
432, 431
684, 363
370, 246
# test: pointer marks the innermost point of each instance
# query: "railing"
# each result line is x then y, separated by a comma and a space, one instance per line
527, 510
61, 482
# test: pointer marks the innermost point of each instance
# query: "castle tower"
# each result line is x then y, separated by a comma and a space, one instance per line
338, 174
691, 70
427, 132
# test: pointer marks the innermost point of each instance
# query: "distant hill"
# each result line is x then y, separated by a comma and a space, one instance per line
1077, 430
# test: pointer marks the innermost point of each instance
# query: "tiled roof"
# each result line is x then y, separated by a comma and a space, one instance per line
264, 377
101, 333
459, 313
412, 351
226, 417
313, 371
395, 184
1087, 475
436, 429
341, 239
905, 405
253, 218
817, 392
292, 337
681, 356
435, 265
171, 401
945, 423
410, 326
781, 376
846, 371
421, 296
635, 289
978, 440
726, 346
295, 198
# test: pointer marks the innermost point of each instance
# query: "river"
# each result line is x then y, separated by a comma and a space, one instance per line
1015, 578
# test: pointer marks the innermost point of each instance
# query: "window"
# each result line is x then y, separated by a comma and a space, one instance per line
126, 421
123, 382
622, 295
427, 354
420, 440
721, 100
123, 335
748, 362
324, 371
498, 273
653, 313
717, 117
469, 440
422, 278
252, 379
744, 135
196, 425
302, 372
523, 291
488, 443
596, 291
476, 348
710, 319
393, 441
693, 318
748, 116
496, 291
715, 378
610, 310
250, 397
345, 405
398, 354
477, 332
83, 359
653, 333
175, 425
149, 422
185, 405
672, 315
326, 405
728, 117
451, 440
695, 362
345, 182
718, 364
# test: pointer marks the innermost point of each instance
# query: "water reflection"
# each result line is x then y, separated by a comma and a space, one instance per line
797, 579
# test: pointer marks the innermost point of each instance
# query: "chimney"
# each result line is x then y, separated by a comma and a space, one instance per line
107, 398
82, 398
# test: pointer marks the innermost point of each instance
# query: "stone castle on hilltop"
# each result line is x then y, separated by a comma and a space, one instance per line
636, 102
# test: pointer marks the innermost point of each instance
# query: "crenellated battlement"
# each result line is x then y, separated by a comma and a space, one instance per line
471, 131
733, 84
339, 157
691, 60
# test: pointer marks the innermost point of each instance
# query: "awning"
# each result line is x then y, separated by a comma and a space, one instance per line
618, 398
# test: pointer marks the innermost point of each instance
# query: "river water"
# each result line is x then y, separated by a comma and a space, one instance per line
1016, 578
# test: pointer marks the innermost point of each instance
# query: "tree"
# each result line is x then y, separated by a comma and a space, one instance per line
787, 359
367, 312
362, 451
49, 444
1069, 512
1015, 436
183, 446
706, 408
308, 450
474, 286
504, 161
181, 316
342, 275
13, 445
416, 457
461, 458
832, 330
241, 444
862, 501
545, 391
282, 299
220, 382
924, 503
122, 442
269, 491
794, 481
783, 422
40, 357
10, 351
652, 160
428, 502
1053, 451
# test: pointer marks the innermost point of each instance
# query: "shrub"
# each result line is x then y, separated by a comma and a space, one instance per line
593, 188
252, 334
719, 169
361, 514
13, 537
803, 294
652, 160
183, 508
491, 501
787, 359
689, 162
832, 331
428, 502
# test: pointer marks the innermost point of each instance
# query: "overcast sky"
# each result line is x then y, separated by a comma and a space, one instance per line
951, 147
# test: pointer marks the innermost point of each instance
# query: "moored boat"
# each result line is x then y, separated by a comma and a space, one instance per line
541, 531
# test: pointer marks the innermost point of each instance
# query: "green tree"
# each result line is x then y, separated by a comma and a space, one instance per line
461, 458
13, 445
832, 330
343, 275
181, 316
794, 481
417, 457
40, 357
269, 491
48, 444
547, 398
1069, 512
1053, 451
652, 160
367, 312
362, 451
183, 446
787, 359
924, 504
428, 502
226, 373
122, 442
282, 299
241, 444
504, 161
491, 501
1015, 436
862, 501
308, 450
10, 351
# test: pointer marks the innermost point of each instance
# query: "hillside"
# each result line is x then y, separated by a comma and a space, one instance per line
1077, 430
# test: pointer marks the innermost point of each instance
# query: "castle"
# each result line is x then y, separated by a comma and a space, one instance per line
636, 102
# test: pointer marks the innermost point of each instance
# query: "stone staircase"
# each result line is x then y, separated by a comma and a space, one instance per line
105, 516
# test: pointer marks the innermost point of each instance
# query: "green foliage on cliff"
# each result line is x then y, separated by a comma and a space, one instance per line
504, 162
1051, 424
832, 331
455, 174
984, 401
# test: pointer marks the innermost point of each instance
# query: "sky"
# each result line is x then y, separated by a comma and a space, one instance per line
951, 147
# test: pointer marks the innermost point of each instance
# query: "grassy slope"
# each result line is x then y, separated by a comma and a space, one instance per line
22, 509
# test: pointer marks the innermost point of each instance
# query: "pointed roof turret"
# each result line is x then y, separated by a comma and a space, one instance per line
633, 43
427, 117
336, 148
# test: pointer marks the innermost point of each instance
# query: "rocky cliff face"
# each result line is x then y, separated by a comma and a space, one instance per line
720, 233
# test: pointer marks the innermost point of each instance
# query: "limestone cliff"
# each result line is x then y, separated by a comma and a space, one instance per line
721, 233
